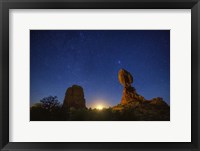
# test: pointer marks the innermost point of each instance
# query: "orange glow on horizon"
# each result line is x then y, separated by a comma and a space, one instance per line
99, 107
99, 104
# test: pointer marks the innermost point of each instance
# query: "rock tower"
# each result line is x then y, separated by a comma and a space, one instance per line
74, 98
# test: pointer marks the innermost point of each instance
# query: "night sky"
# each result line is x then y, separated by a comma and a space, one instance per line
92, 59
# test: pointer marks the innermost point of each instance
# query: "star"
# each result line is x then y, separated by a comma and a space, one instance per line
92, 59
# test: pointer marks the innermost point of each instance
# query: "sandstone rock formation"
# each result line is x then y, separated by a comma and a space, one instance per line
74, 98
129, 92
142, 109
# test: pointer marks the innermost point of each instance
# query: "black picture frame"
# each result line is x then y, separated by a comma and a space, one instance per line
5, 5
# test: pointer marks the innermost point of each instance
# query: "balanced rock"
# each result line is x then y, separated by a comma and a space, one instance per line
129, 92
74, 98
143, 110
125, 78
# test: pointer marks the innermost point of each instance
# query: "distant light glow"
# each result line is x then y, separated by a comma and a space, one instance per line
99, 107
99, 104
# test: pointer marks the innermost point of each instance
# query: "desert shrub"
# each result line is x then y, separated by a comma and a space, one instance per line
49, 109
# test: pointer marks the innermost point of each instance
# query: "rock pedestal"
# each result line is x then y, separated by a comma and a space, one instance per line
130, 95
74, 98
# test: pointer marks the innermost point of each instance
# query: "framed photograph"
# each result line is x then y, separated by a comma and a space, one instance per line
99, 75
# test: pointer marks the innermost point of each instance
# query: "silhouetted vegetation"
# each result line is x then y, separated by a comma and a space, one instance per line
49, 109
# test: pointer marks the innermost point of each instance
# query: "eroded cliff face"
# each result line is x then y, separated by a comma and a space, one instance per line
74, 98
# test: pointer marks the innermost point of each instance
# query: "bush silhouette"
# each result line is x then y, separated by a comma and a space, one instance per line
49, 109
